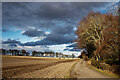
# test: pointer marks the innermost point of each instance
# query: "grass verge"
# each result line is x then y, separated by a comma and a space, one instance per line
104, 72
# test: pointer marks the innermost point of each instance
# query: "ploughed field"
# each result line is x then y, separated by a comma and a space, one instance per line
35, 67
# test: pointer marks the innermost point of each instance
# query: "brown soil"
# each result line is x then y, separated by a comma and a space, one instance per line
15, 67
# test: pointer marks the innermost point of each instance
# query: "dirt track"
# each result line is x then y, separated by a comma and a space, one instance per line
14, 67
81, 70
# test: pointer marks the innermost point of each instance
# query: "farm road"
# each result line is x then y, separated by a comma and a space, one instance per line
81, 70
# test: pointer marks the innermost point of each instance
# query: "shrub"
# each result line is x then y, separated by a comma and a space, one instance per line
112, 62
95, 63
105, 66
102, 65
116, 69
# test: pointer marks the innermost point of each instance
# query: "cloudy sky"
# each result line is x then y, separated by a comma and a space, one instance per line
45, 26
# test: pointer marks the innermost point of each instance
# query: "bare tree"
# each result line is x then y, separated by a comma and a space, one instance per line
98, 33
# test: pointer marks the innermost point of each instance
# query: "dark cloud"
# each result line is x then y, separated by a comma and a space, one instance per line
9, 41
53, 39
47, 15
12, 43
34, 33
77, 50
64, 30
58, 18
61, 35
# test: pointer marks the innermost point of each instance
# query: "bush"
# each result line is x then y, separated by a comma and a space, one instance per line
116, 69
105, 66
102, 65
112, 62
95, 63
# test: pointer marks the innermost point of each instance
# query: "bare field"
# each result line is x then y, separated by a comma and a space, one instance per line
35, 67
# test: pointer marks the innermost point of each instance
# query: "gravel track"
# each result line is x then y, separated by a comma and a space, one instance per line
80, 70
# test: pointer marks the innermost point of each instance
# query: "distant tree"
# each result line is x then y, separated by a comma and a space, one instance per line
3, 51
15, 52
0, 51
46, 53
39, 54
73, 56
34, 53
10, 52
42, 54
57, 54
66, 56
62, 55
27, 54
51, 54
23, 52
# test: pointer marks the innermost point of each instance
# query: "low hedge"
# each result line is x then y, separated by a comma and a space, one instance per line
112, 62
102, 65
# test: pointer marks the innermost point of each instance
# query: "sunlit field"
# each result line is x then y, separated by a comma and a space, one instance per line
61, 40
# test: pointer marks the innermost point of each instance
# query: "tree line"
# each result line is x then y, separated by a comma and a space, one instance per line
15, 52
23, 52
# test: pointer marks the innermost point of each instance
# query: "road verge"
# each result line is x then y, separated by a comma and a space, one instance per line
104, 72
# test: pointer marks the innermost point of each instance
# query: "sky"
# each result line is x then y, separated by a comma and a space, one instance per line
45, 26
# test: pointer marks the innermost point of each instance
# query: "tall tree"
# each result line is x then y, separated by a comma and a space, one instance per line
98, 34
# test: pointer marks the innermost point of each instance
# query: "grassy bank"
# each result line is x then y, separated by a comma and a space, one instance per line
104, 72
